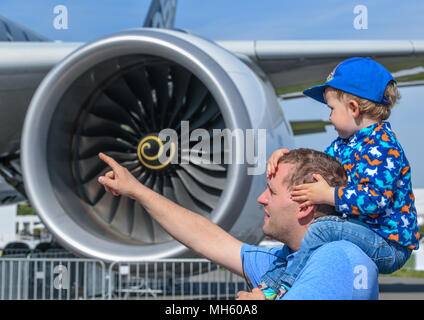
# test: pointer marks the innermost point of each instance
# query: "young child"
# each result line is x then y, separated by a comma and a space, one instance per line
378, 208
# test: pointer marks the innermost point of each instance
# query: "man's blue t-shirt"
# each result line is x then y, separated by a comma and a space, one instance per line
337, 270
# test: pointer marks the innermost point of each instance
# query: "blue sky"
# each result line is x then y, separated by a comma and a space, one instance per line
234, 19
254, 19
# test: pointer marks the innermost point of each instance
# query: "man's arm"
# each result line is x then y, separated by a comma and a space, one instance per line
193, 230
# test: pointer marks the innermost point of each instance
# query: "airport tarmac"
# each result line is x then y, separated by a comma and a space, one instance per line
393, 288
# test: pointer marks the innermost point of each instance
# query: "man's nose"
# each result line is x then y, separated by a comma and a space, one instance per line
263, 198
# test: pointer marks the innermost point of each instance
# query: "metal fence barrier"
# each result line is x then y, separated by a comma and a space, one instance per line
43, 278
174, 279
74, 278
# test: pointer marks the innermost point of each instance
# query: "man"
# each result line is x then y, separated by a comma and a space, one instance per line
338, 270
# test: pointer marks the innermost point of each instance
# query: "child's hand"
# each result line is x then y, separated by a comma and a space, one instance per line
313, 193
256, 294
273, 161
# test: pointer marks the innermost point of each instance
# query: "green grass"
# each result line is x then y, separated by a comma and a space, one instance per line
405, 274
406, 271
25, 210
413, 77
408, 64
297, 87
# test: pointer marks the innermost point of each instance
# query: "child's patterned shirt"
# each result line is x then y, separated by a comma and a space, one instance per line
379, 190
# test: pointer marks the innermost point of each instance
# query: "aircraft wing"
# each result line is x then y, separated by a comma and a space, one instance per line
293, 66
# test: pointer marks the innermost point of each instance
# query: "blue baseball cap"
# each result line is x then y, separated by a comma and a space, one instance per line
361, 77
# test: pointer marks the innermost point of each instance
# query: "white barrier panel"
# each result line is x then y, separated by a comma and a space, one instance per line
72, 279
54, 279
8, 224
419, 204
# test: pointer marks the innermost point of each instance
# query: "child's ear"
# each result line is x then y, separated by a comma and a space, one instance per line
354, 107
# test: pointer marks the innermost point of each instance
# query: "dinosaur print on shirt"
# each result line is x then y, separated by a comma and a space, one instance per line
379, 190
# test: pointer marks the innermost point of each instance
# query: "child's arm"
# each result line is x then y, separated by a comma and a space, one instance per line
377, 181
273, 161
319, 192
314, 193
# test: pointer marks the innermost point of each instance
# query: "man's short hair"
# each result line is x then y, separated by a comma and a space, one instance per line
308, 162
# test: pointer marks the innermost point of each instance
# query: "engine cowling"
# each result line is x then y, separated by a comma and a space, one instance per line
114, 95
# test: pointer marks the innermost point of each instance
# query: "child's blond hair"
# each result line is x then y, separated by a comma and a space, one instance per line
375, 110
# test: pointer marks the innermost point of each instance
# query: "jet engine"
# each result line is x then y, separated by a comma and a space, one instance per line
115, 95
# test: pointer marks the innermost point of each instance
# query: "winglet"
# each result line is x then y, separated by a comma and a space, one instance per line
161, 14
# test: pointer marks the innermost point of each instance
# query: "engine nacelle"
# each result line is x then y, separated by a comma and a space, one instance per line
114, 95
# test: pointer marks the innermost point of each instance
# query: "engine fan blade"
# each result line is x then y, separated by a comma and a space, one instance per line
131, 165
90, 168
158, 76
168, 191
196, 191
107, 109
210, 113
212, 181
185, 199
107, 206
123, 218
137, 81
95, 127
121, 156
199, 162
196, 96
180, 82
91, 146
119, 92
93, 191
142, 226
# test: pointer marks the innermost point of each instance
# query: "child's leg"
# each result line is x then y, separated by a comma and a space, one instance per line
322, 231
387, 257
270, 281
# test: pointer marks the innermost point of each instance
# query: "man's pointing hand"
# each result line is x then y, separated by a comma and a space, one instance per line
119, 181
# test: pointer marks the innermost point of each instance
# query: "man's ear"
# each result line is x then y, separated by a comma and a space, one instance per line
306, 214
354, 108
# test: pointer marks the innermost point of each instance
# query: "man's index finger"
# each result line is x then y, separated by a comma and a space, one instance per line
110, 161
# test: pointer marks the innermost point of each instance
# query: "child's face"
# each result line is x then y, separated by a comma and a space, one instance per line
341, 115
